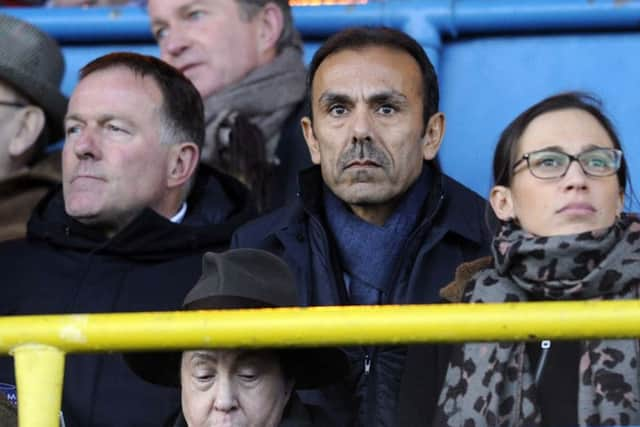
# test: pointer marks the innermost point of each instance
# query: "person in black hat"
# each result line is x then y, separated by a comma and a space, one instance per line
32, 110
243, 387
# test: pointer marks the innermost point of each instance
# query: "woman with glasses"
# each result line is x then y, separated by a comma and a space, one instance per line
560, 180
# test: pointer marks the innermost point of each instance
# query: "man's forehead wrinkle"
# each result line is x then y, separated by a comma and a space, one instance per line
73, 117
180, 10
184, 7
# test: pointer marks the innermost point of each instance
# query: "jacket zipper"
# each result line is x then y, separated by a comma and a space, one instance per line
367, 363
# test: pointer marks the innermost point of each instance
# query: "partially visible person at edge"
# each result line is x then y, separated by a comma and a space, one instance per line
376, 222
32, 109
560, 179
8, 413
245, 58
243, 387
127, 230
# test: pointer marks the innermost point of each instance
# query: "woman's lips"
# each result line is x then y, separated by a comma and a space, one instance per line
578, 208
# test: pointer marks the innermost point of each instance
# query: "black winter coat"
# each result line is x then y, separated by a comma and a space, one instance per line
66, 267
452, 230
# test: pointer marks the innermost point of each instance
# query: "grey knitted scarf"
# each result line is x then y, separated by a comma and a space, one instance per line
491, 384
266, 97
244, 122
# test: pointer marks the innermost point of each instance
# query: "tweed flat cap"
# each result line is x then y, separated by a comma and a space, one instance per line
32, 63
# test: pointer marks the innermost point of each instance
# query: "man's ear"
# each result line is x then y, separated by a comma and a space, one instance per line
310, 138
271, 23
502, 203
182, 164
433, 136
31, 120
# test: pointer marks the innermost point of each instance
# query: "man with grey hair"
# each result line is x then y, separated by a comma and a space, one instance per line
31, 112
120, 235
245, 59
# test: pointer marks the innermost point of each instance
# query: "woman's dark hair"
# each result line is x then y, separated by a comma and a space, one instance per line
506, 151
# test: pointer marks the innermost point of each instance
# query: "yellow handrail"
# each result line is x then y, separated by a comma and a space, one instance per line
42, 341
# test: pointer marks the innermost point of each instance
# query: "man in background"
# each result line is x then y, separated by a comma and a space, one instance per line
245, 58
32, 109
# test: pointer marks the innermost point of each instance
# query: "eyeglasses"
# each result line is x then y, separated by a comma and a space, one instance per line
550, 164
13, 104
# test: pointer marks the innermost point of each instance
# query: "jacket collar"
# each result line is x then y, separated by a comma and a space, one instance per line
456, 213
454, 291
446, 206
217, 206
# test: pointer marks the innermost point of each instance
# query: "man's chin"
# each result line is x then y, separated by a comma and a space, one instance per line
81, 214
364, 175
85, 215
363, 194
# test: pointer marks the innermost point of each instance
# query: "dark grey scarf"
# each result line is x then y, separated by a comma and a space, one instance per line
491, 384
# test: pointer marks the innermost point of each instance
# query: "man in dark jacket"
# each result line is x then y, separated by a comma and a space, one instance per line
245, 58
126, 231
377, 222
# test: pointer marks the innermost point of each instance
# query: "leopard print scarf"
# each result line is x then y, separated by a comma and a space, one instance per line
491, 384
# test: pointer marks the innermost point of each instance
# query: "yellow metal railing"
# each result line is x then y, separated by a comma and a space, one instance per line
39, 343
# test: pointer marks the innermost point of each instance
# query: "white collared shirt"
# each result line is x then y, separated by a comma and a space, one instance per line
178, 217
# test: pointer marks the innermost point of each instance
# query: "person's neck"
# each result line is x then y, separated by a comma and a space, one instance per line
113, 227
374, 214
170, 204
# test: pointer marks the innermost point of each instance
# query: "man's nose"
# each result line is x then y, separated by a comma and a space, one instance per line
225, 400
85, 144
173, 44
362, 126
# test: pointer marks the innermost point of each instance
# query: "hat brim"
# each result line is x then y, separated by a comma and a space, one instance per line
48, 97
311, 367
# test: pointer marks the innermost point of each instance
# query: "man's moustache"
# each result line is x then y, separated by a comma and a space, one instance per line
363, 152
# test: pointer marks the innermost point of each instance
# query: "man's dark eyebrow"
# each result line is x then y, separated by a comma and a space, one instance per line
108, 117
101, 120
391, 96
328, 98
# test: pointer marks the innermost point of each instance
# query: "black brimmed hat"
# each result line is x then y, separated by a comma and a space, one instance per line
246, 278
32, 63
